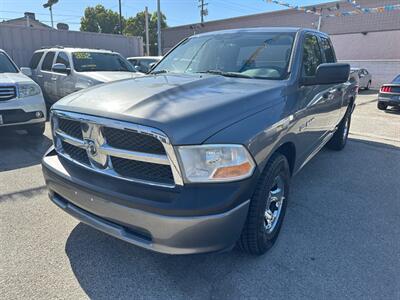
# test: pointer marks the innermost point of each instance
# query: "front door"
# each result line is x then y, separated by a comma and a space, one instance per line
49, 84
318, 105
64, 82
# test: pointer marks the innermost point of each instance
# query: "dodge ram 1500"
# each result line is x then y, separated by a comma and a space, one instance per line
197, 156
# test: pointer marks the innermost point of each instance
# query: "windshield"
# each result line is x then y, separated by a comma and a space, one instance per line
396, 79
6, 66
97, 61
250, 55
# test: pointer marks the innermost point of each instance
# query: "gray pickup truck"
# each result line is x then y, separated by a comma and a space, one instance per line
198, 155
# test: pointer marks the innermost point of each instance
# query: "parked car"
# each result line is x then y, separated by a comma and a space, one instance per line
61, 71
365, 78
389, 94
201, 158
144, 63
21, 100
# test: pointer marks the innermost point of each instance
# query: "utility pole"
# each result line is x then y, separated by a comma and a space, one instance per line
120, 17
159, 28
146, 24
49, 5
203, 10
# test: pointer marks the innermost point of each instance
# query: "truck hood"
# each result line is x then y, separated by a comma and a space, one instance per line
110, 76
13, 78
188, 108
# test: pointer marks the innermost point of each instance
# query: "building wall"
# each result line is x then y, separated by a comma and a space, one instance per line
24, 22
373, 45
385, 21
20, 42
382, 71
365, 40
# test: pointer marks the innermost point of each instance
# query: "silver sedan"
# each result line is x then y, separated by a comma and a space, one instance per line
365, 78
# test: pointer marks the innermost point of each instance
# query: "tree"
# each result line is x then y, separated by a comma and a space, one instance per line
100, 19
135, 26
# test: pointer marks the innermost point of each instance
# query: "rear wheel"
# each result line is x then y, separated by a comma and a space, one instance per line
267, 207
36, 129
382, 106
339, 138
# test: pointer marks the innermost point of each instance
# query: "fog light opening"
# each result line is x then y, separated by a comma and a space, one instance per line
39, 114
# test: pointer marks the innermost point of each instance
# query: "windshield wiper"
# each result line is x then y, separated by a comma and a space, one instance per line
159, 72
226, 74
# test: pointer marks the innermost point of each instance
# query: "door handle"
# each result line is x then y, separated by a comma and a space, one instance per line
54, 78
40, 76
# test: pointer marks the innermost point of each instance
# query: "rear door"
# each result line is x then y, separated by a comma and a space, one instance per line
34, 65
49, 85
312, 112
334, 92
65, 83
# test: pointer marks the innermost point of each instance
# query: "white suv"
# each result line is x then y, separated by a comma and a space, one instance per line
60, 71
21, 100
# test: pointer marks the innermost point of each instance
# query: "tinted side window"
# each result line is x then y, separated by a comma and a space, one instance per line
35, 60
328, 50
48, 61
312, 56
62, 58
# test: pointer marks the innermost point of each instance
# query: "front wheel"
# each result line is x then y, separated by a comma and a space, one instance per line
339, 138
267, 207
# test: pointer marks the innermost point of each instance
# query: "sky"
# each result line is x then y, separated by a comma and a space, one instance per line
178, 12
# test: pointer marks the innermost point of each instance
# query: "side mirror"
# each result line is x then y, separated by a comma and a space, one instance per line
60, 68
151, 65
137, 68
26, 71
332, 73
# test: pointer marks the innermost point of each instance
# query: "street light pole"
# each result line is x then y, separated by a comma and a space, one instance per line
120, 17
159, 28
51, 16
49, 5
146, 24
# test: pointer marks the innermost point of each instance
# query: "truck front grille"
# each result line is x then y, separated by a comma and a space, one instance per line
115, 148
76, 153
142, 170
133, 141
70, 127
7, 93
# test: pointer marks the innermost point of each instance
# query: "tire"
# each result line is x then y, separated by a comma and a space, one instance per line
339, 138
258, 234
382, 106
36, 129
368, 86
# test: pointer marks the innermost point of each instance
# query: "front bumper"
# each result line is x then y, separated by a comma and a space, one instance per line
21, 111
172, 234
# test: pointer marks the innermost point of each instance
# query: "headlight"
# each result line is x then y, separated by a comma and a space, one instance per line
27, 90
215, 163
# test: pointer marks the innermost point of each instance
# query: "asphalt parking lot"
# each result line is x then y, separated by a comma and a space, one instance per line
340, 238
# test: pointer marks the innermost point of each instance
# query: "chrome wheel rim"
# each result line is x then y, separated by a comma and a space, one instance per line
275, 199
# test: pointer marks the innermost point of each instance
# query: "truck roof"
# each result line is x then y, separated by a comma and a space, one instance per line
74, 49
260, 29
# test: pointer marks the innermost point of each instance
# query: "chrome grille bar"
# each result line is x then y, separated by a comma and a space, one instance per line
133, 155
100, 160
7, 92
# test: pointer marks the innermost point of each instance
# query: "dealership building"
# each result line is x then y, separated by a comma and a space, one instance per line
367, 40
